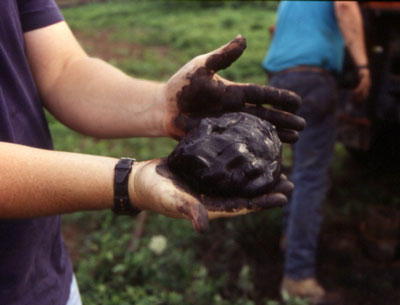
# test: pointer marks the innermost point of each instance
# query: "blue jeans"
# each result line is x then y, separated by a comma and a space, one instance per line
312, 159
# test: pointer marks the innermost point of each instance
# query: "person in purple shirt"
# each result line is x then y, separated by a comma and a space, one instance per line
43, 66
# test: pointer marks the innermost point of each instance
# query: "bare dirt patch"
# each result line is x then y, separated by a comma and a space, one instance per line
102, 45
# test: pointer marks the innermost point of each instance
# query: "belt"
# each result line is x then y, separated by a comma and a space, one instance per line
302, 68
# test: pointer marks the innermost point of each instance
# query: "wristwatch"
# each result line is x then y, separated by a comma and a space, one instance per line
360, 67
122, 204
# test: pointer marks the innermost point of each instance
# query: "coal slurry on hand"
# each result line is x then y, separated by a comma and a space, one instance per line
235, 154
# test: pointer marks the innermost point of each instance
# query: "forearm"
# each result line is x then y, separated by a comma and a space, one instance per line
88, 94
94, 98
351, 25
36, 182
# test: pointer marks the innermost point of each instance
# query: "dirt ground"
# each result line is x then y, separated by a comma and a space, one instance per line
357, 257
359, 253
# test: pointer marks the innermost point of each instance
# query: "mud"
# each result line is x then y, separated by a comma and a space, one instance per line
207, 95
343, 263
236, 154
229, 54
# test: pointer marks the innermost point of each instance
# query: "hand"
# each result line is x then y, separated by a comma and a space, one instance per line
361, 92
229, 207
196, 91
153, 187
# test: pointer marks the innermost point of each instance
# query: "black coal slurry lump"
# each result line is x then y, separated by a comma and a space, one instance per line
236, 154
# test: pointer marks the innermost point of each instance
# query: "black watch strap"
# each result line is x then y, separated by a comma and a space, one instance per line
122, 204
360, 67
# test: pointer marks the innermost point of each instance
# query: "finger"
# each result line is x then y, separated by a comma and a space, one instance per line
238, 206
287, 135
279, 98
223, 57
222, 204
227, 214
263, 202
284, 186
197, 214
200, 220
268, 201
279, 118
283, 177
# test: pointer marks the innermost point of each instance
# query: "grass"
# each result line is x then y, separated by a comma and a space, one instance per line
107, 272
188, 29
220, 266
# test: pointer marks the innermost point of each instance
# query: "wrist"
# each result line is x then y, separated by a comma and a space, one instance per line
133, 186
166, 106
362, 67
159, 110
122, 202
156, 113
363, 71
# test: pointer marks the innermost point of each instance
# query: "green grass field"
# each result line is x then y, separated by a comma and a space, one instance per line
184, 29
238, 261
163, 36
154, 39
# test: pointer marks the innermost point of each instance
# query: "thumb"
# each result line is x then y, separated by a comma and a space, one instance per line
196, 213
224, 56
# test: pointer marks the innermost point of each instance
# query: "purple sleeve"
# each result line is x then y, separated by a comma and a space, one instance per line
36, 14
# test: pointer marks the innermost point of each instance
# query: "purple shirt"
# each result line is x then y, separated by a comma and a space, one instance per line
34, 266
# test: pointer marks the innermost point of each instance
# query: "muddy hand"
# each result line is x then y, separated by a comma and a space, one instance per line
196, 91
148, 190
230, 207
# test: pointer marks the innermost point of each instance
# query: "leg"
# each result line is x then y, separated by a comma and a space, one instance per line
313, 155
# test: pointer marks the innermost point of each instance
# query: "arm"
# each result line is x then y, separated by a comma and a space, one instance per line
36, 182
88, 94
350, 22
93, 97
97, 99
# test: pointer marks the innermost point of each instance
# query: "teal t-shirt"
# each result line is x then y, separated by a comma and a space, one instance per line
306, 33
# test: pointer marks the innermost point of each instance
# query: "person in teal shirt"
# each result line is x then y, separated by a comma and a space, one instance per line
306, 56
313, 37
